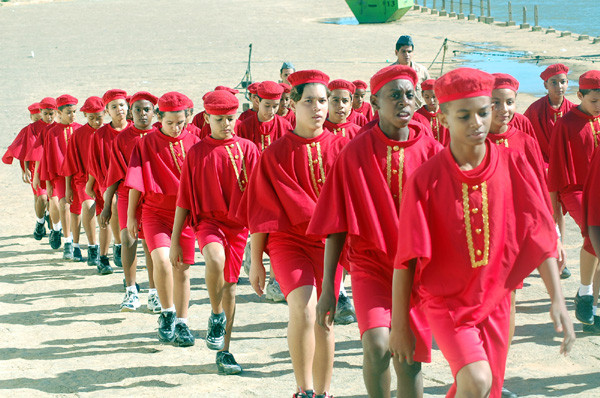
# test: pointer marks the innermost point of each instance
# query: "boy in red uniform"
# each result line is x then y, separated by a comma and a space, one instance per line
284, 110
253, 101
100, 151
50, 170
359, 204
431, 110
142, 111
278, 205
358, 100
340, 106
154, 170
75, 169
473, 224
591, 193
573, 140
213, 178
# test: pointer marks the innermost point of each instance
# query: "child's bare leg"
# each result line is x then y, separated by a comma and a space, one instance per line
40, 205
54, 211
181, 289
229, 290
214, 256
163, 276
596, 286
105, 237
410, 379
376, 362
88, 219
149, 266
587, 264
323, 360
513, 312
65, 217
75, 226
114, 222
129, 256
474, 380
302, 304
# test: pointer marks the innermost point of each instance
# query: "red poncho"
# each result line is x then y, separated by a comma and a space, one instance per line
263, 134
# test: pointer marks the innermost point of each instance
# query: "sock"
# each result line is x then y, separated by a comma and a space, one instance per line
151, 291
181, 320
132, 289
585, 290
76, 245
170, 309
343, 290
69, 239
57, 226
41, 220
594, 309
117, 245
95, 246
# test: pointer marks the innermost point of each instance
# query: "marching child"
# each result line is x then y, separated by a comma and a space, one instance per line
358, 100
431, 110
284, 110
340, 106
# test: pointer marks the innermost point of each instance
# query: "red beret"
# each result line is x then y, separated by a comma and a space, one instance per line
34, 108
393, 72
48, 103
360, 85
190, 102
143, 95
286, 87
341, 84
590, 80
308, 76
221, 102
66, 99
269, 90
114, 94
93, 105
463, 83
253, 87
427, 84
553, 70
504, 80
173, 102
128, 99
231, 90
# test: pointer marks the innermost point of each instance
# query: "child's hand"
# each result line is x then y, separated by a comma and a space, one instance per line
562, 323
326, 308
105, 216
26, 176
402, 344
132, 226
89, 190
562, 256
257, 277
69, 195
176, 255
36, 181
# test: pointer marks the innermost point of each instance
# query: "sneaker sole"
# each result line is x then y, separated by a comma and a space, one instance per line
184, 343
229, 372
166, 340
129, 309
153, 310
214, 346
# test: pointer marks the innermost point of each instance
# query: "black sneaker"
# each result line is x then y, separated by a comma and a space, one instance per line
583, 309
344, 314
77, 256
304, 394
226, 363
68, 251
55, 239
565, 274
47, 217
183, 336
166, 326
595, 328
40, 231
215, 334
117, 255
104, 267
93, 256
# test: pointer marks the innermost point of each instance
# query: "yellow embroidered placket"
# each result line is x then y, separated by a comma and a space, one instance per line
316, 180
172, 148
478, 257
390, 169
244, 181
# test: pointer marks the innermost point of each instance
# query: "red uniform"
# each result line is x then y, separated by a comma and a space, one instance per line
440, 133
100, 149
347, 129
366, 110
263, 133
280, 200
362, 197
54, 150
521, 122
193, 129
154, 170
290, 117
198, 120
357, 118
591, 193
213, 178
475, 235
543, 117
246, 114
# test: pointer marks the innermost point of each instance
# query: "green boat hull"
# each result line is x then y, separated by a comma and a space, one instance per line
379, 11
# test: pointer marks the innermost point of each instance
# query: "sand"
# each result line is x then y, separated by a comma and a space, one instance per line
60, 328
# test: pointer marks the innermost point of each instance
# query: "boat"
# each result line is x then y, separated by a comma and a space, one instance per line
379, 11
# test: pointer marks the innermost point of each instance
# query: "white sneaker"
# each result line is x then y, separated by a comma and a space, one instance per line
154, 303
131, 302
247, 256
273, 292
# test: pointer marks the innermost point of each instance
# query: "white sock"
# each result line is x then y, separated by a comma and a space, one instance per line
57, 226
151, 291
76, 245
181, 320
171, 309
117, 245
342, 290
594, 309
585, 290
95, 246
69, 239
41, 220
132, 289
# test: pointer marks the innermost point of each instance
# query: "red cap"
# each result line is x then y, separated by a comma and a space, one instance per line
231, 90
427, 84
392, 72
114, 94
308, 76
554, 70
48, 103
221, 102
253, 87
360, 85
128, 99
590, 80
341, 84
66, 99
143, 95
173, 102
93, 105
504, 80
190, 102
34, 108
463, 83
269, 90
286, 87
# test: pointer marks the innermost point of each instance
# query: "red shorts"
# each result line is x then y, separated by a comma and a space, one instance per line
232, 237
298, 262
38, 191
573, 204
465, 344
79, 196
58, 187
158, 227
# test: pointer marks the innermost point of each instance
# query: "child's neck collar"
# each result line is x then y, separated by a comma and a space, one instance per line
468, 157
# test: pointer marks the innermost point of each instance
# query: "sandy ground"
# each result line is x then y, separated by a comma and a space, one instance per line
60, 329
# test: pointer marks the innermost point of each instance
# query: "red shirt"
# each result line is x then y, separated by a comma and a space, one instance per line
440, 133
366, 110
193, 129
214, 177
155, 167
263, 133
347, 129
37, 132
574, 138
357, 118
475, 234
521, 122
54, 150
591, 193
543, 117
100, 151
76, 159
290, 117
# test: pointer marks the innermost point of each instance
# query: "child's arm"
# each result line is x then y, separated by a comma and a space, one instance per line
89, 187
36, 175
258, 242
132, 223
402, 339
327, 302
109, 194
558, 310
176, 254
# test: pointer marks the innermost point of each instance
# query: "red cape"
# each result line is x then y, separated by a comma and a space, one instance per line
76, 159
263, 134
16, 147
357, 118
347, 129
366, 109
37, 132
521, 122
100, 151
56, 140
440, 133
